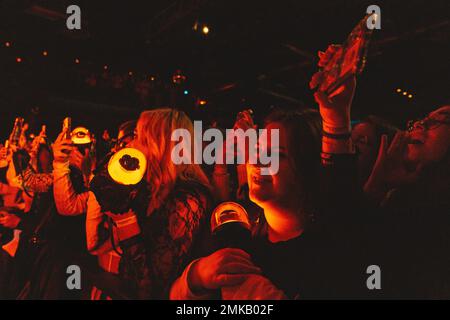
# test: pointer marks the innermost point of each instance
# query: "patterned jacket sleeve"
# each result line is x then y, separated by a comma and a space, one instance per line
170, 241
36, 182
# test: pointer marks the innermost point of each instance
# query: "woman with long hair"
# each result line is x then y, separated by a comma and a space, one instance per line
152, 246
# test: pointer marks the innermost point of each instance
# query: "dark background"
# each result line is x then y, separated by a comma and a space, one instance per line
258, 54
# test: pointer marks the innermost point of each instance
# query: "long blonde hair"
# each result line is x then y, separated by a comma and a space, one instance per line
154, 130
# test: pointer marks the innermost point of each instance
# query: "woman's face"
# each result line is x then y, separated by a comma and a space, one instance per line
279, 189
429, 139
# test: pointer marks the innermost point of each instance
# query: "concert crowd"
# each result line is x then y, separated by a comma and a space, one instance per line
355, 210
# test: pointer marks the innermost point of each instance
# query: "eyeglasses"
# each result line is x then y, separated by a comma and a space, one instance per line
427, 123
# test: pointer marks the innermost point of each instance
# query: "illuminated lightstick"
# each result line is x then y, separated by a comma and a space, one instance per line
119, 185
127, 166
230, 226
82, 139
81, 135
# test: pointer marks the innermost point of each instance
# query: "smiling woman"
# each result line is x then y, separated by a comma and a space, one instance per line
299, 165
288, 250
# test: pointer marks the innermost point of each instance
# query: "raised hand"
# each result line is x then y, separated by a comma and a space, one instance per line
8, 220
335, 107
390, 169
62, 148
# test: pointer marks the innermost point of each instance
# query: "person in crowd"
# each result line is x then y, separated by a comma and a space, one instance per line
366, 137
70, 185
69, 162
343, 199
12, 205
125, 134
148, 246
24, 249
48, 242
295, 242
229, 187
410, 180
71, 172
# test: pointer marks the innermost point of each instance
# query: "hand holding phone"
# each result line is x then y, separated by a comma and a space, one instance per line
62, 147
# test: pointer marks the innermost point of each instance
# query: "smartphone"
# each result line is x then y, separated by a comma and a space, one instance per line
17, 129
350, 60
67, 124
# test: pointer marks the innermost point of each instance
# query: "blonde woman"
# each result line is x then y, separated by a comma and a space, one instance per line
149, 245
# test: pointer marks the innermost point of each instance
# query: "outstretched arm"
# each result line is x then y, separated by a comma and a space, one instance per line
68, 202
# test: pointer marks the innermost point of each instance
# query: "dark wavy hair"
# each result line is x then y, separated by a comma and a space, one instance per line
304, 132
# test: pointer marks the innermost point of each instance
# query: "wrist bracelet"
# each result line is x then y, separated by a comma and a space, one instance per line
336, 128
341, 136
